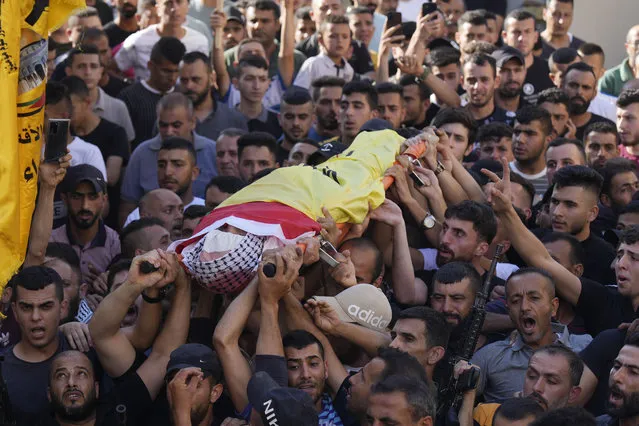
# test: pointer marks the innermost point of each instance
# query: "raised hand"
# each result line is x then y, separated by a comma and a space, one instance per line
51, 173
400, 184
287, 261
389, 212
324, 316
330, 232
344, 273
500, 195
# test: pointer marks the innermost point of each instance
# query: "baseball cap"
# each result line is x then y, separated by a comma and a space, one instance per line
363, 304
195, 355
233, 14
83, 173
279, 405
505, 54
325, 152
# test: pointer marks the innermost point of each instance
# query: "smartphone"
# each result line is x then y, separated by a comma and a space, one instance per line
328, 253
56, 144
428, 8
394, 18
414, 176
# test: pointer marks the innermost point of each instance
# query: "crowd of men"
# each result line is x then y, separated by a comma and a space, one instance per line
176, 105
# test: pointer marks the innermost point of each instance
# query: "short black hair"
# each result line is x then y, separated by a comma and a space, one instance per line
365, 88
192, 57
577, 252
55, 93
519, 15
76, 86
630, 235
194, 212
526, 184
128, 246
409, 80
169, 48
227, 184
553, 95
472, 17
333, 20
531, 270
92, 34
296, 95
172, 143
325, 81
494, 132
604, 127
528, 114
588, 49
518, 409
481, 59
421, 396
581, 176
628, 97
563, 55
454, 272
266, 5
85, 49
359, 10
388, 87
399, 362
119, 266
567, 141
36, 278
575, 364
444, 56
581, 67
232, 132
435, 326
457, 115
252, 61
364, 243
614, 167
256, 139
481, 215
300, 339
303, 13
566, 416
633, 207
65, 253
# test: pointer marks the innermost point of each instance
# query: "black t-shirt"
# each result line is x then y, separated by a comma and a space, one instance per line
536, 80
114, 86
498, 115
361, 60
603, 253
116, 34
598, 357
111, 139
281, 153
104, 12
340, 404
602, 307
129, 395
272, 125
496, 6
594, 119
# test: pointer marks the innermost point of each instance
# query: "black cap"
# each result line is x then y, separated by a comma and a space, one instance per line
505, 54
326, 151
375, 124
83, 173
233, 14
280, 405
195, 355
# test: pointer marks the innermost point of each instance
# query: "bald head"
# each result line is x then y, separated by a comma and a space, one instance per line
165, 205
68, 360
632, 44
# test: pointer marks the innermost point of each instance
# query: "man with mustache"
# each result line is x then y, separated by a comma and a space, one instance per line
197, 82
326, 93
125, 24
296, 118
84, 194
580, 84
511, 69
623, 402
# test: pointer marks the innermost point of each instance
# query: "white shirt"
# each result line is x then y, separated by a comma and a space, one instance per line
605, 106
135, 214
271, 99
319, 66
83, 152
136, 49
502, 270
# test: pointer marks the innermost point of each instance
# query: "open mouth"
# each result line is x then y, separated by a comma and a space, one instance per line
528, 325
38, 332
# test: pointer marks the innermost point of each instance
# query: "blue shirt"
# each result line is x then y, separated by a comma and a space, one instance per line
141, 174
328, 416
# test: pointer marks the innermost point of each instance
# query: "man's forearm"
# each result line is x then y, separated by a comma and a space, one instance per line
147, 325
367, 339
286, 60
443, 92
41, 225
176, 327
107, 318
269, 340
467, 182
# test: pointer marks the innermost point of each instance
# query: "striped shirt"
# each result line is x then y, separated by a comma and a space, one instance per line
539, 181
328, 416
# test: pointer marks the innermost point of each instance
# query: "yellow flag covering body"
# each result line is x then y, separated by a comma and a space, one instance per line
24, 28
354, 181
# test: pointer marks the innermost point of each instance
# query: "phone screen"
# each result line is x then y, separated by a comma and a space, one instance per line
56, 144
428, 8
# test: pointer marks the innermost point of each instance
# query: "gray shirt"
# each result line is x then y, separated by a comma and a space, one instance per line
222, 118
115, 111
503, 364
141, 174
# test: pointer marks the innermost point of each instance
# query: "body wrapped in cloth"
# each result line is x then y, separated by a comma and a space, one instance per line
282, 207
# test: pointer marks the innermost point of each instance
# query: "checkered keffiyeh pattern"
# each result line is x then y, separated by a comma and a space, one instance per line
231, 272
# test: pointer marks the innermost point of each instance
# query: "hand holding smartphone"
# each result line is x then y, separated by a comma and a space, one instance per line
56, 143
428, 8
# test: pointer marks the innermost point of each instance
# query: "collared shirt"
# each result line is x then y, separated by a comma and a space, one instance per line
115, 111
613, 80
503, 364
322, 65
141, 174
222, 117
100, 251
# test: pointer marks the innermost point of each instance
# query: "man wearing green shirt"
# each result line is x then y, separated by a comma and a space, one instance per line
613, 80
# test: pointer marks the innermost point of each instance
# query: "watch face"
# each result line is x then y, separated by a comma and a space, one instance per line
429, 222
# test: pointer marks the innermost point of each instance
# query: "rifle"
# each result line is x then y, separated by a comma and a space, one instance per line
453, 394
6, 414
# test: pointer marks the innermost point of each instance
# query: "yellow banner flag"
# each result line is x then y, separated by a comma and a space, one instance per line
24, 28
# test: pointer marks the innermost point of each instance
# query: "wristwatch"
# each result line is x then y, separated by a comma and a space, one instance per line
440, 168
429, 222
426, 71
